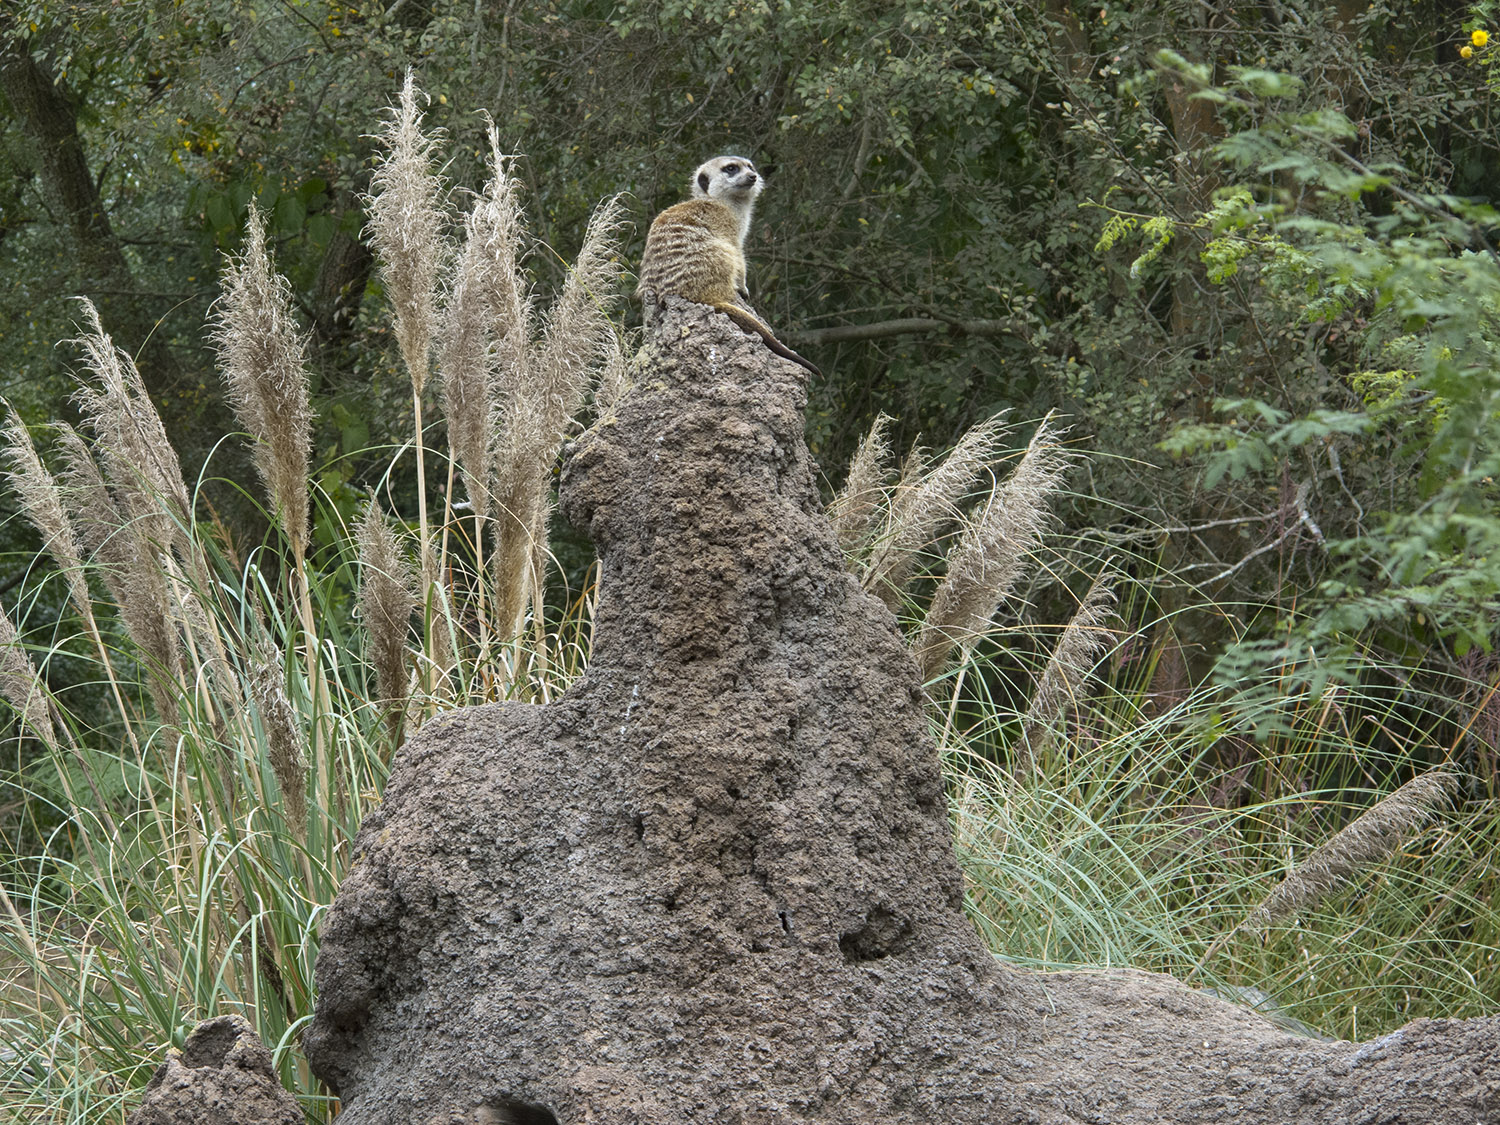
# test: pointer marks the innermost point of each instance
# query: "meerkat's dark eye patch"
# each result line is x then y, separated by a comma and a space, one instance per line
731, 169
703, 180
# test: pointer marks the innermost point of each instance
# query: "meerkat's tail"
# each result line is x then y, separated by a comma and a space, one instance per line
752, 323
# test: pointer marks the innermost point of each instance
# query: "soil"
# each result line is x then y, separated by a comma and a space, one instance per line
714, 882
222, 1076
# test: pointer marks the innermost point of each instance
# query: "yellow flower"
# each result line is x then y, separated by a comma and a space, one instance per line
1479, 38
1466, 52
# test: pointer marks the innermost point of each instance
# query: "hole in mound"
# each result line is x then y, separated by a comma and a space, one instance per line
513, 1111
209, 1044
882, 934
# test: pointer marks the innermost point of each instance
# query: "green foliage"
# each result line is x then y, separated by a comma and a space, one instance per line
1160, 823
1426, 547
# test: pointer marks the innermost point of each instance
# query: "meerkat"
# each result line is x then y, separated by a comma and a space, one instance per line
696, 250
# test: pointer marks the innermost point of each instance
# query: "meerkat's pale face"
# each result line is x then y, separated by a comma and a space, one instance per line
732, 180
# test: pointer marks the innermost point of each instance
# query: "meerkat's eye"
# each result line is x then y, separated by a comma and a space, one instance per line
731, 169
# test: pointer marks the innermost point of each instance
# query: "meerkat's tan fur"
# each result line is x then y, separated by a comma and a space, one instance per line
696, 250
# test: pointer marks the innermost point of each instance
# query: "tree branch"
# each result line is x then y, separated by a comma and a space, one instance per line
905, 326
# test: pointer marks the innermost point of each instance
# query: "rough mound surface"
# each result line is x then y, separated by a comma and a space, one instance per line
222, 1076
714, 882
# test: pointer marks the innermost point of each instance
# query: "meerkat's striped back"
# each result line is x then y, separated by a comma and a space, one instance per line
693, 252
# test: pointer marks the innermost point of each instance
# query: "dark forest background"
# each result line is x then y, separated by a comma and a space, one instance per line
973, 206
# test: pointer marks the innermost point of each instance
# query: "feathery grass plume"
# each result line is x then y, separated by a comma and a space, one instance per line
614, 377
923, 505
21, 686
284, 741
138, 459
854, 510
579, 336
578, 340
146, 610
485, 326
264, 361
41, 500
1374, 836
407, 212
523, 503
143, 478
95, 514
386, 601
1065, 679
129, 564
990, 556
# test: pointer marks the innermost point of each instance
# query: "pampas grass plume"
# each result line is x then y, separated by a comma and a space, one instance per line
21, 686
284, 740
1373, 837
485, 326
855, 509
990, 556
264, 361
407, 215
387, 598
1065, 679
41, 500
579, 336
922, 504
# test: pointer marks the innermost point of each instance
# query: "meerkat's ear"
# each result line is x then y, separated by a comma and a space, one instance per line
703, 181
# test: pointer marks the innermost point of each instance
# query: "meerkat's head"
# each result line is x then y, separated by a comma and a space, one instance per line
730, 180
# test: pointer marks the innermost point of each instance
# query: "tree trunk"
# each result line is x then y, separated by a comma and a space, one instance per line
714, 882
48, 118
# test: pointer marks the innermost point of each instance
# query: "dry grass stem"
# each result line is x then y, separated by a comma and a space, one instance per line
1373, 837
991, 555
408, 212
41, 500
387, 599
263, 358
923, 503
1066, 678
855, 509
21, 686
285, 744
